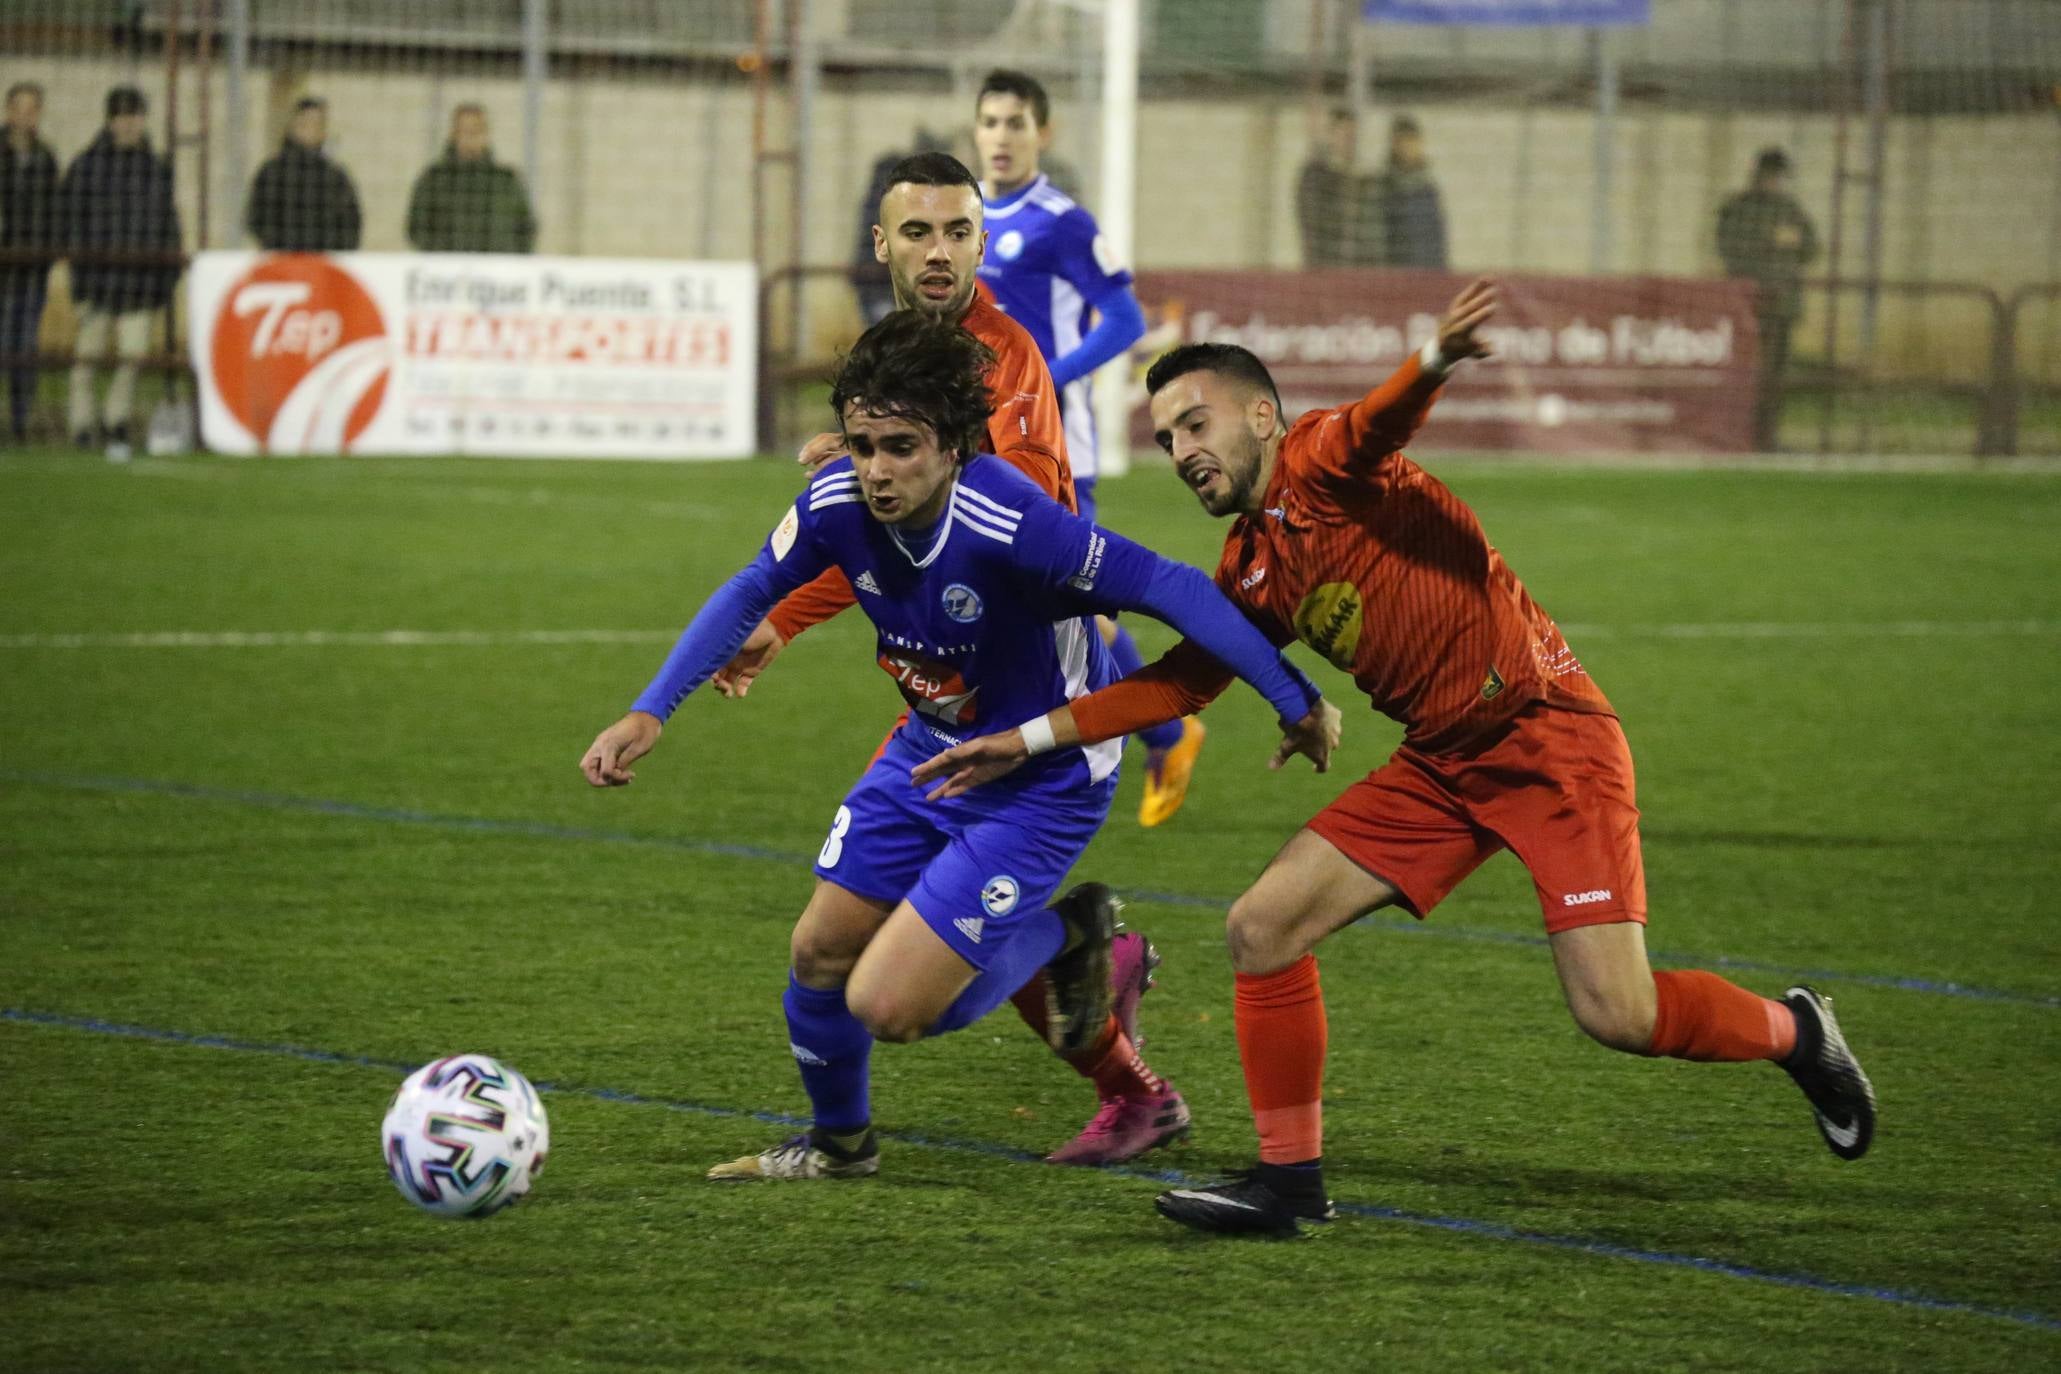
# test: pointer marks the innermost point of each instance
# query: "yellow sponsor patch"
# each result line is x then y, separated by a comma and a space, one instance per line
1492, 685
1329, 621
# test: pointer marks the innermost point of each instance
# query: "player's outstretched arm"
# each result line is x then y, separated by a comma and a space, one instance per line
608, 758
963, 767
1384, 420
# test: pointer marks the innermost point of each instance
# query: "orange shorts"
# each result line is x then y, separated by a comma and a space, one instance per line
1554, 787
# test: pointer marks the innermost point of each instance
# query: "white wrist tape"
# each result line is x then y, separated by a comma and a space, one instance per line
1037, 736
1431, 360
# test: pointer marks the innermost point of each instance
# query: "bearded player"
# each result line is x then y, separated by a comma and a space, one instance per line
1340, 541
931, 239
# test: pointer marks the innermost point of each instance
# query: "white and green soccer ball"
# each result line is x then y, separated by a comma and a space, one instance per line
465, 1136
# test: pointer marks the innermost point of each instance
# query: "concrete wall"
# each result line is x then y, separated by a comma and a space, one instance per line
645, 166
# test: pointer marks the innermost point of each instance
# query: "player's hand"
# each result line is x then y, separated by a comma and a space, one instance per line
608, 758
761, 647
1474, 307
822, 449
1314, 737
966, 766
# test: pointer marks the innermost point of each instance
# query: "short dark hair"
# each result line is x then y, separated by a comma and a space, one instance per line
1022, 85
932, 169
1771, 162
465, 108
33, 88
125, 100
1343, 114
309, 102
1405, 124
1239, 364
925, 370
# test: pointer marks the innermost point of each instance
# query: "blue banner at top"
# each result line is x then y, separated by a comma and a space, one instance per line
1512, 13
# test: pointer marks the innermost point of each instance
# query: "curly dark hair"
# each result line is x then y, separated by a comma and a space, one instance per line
917, 368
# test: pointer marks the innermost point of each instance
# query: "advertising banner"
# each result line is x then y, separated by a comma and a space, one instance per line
1511, 13
1583, 364
458, 353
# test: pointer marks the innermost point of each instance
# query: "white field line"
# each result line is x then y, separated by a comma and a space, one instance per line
349, 639
375, 639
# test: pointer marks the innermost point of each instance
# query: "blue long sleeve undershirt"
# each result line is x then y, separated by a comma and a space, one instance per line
1119, 324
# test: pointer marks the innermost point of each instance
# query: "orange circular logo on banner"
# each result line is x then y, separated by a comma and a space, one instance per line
300, 355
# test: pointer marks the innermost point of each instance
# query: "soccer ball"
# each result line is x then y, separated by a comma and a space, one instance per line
465, 1136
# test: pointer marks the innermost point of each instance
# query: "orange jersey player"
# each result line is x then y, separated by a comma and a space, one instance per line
1341, 542
931, 239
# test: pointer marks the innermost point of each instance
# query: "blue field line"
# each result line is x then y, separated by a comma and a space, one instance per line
1486, 1230
487, 825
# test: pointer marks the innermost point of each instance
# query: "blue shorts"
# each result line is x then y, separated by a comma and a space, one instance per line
974, 866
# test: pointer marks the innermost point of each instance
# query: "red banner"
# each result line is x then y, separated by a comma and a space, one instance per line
1590, 364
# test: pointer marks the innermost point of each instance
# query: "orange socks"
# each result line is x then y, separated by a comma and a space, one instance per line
1701, 1016
1112, 1061
1281, 1040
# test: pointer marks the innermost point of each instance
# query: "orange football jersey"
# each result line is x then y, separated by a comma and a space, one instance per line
1375, 564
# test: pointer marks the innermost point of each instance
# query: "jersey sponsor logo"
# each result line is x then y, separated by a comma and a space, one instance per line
866, 583
1009, 247
804, 1055
962, 603
1329, 621
1084, 580
1492, 685
999, 894
933, 688
970, 927
784, 533
1589, 898
1253, 578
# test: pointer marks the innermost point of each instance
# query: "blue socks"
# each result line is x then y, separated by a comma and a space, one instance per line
833, 1052
1029, 948
1128, 661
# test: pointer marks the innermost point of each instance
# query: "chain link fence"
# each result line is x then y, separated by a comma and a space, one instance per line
1901, 247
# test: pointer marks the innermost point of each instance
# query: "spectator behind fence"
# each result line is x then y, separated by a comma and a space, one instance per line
1763, 234
302, 201
465, 202
117, 198
1413, 222
28, 224
1332, 204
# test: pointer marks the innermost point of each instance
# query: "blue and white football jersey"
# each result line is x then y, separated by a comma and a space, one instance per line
983, 621
1047, 264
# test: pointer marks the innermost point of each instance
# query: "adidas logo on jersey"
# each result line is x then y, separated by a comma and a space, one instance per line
865, 583
970, 927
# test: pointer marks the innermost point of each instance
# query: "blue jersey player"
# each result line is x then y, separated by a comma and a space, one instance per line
1051, 271
982, 591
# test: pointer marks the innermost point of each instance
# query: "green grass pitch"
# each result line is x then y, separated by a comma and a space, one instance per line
1841, 691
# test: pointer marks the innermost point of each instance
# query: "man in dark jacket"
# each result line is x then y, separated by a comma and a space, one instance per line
28, 225
302, 201
1333, 207
1413, 222
1763, 234
465, 202
117, 199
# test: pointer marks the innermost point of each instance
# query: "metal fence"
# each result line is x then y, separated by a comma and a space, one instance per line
1923, 141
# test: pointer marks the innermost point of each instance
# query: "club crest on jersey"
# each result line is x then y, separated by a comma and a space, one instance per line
962, 603
1009, 246
1329, 621
999, 895
1492, 685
